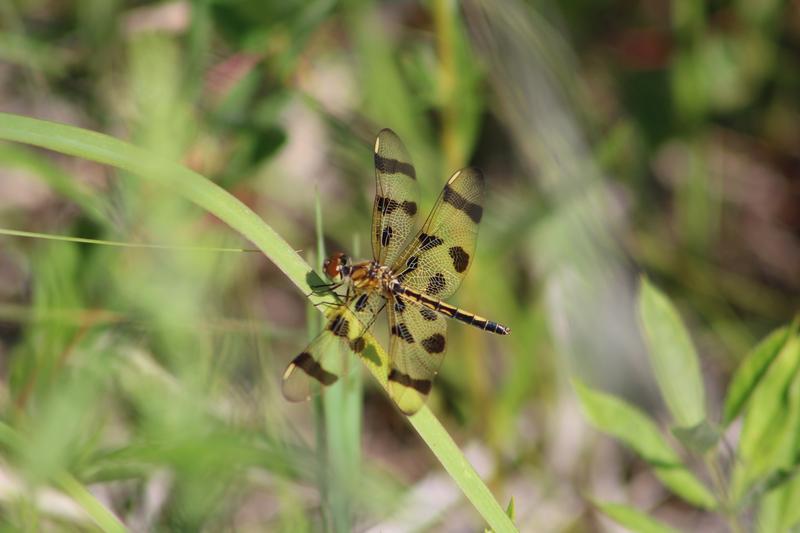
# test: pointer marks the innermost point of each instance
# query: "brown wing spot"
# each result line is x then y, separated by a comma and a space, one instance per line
399, 304
339, 326
434, 344
386, 205
473, 211
427, 314
358, 345
429, 241
460, 258
361, 303
410, 208
386, 235
401, 330
422, 386
411, 265
436, 284
307, 364
393, 166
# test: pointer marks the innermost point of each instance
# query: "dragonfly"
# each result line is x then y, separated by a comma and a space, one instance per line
409, 276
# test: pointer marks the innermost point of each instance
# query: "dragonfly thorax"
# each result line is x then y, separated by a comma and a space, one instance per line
370, 274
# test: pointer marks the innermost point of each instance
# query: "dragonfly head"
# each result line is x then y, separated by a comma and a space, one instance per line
337, 266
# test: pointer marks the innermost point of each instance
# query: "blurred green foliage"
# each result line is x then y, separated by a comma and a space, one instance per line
617, 139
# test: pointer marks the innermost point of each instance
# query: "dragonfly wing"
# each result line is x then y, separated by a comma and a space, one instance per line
316, 362
417, 347
323, 360
394, 212
437, 259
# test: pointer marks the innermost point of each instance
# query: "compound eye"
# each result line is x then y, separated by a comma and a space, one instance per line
331, 266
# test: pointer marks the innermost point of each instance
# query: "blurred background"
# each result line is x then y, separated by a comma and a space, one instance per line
618, 138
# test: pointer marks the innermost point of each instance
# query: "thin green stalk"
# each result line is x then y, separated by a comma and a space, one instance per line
104, 518
444, 23
194, 187
122, 244
342, 429
315, 323
727, 507
320, 423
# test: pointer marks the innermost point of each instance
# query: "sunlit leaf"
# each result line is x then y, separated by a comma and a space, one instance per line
634, 428
749, 373
673, 356
510, 508
779, 510
770, 427
632, 518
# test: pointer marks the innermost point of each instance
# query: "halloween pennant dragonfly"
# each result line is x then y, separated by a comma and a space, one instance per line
411, 278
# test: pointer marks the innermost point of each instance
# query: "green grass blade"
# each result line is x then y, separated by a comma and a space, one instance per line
102, 516
197, 189
462, 472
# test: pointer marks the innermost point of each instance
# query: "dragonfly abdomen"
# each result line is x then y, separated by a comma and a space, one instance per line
451, 311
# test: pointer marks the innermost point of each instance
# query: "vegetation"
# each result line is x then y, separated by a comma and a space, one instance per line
169, 171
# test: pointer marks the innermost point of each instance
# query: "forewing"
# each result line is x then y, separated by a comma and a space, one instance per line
416, 350
396, 197
438, 258
323, 360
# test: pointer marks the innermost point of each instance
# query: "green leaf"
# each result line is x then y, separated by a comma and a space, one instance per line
632, 518
775, 480
769, 432
672, 356
699, 438
634, 428
510, 508
779, 510
750, 372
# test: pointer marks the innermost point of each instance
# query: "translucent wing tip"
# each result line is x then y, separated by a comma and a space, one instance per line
386, 131
388, 136
296, 385
474, 173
